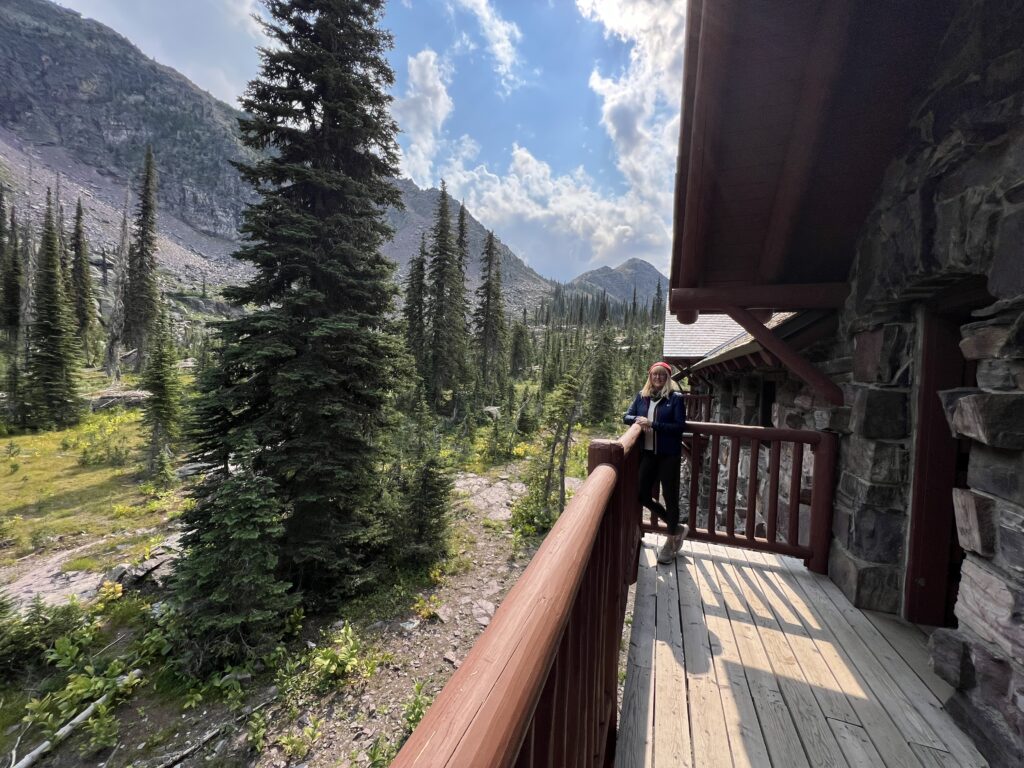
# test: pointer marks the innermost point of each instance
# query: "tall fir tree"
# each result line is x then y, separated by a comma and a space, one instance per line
162, 411
52, 367
3, 227
446, 309
601, 397
489, 323
309, 373
414, 308
13, 282
142, 292
81, 279
118, 302
519, 348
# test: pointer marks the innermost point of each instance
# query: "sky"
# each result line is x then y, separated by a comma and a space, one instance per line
556, 121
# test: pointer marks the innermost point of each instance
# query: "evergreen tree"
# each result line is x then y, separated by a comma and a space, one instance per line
3, 228
309, 374
142, 293
601, 399
53, 351
489, 322
81, 274
519, 349
414, 309
162, 411
230, 602
13, 283
657, 306
119, 298
445, 311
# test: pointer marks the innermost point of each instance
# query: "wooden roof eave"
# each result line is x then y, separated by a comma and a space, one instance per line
706, 55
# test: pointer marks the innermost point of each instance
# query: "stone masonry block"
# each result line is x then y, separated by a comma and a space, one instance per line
858, 492
950, 658
950, 398
997, 472
1001, 374
1010, 538
992, 606
981, 341
976, 518
883, 355
876, 534
866, 585
873, 460
880, 414
993, 419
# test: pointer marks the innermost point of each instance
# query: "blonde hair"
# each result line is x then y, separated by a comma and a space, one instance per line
670, 386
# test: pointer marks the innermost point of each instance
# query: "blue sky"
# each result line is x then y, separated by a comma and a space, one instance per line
555, 120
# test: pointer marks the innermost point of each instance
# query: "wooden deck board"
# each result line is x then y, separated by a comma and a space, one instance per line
746, 742
911, 643
672, 744
745, 659
637, 718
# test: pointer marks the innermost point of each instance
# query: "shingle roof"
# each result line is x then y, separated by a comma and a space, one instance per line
697, 340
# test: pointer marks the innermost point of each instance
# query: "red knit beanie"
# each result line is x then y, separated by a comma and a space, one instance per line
660, 364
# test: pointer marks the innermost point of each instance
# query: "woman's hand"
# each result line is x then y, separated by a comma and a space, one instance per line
645, 425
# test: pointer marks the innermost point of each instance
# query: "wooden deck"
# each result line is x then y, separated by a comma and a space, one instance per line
740, 658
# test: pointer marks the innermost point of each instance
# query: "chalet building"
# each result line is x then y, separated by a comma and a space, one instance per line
850, 191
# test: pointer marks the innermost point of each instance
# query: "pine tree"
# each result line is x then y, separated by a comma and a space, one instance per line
162, 411
309, 373
142, 293
601, 398
13, 283
53, 351
3, 228
519, 349
230, 602
414, 309
657, 305
489, 322
81, 274
119, 298
446, 308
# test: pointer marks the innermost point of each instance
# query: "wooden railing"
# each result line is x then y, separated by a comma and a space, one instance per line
539, 686
698, 407
718, 496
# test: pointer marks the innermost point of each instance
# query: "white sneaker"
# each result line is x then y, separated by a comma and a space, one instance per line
684, 531
668, 550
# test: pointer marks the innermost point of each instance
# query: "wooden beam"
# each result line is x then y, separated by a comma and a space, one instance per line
778, 297
789, 357
690, 228
820, 72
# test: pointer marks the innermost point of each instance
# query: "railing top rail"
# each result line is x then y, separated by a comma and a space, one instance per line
628, 439
808, 436
481, 715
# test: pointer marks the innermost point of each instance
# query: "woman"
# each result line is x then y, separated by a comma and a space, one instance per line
660, 410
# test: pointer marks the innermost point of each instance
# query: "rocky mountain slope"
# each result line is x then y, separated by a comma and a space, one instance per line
620, 281
523, 287
79, 103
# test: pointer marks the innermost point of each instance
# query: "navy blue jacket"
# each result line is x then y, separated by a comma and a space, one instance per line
669, 421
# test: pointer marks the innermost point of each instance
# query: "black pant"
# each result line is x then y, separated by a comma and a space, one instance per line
665, 470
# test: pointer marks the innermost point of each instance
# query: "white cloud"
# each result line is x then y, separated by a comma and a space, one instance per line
421, 113
640, 106
562, 222
502, 37
241, 12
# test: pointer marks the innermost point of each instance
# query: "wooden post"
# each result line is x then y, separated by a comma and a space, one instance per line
821, 502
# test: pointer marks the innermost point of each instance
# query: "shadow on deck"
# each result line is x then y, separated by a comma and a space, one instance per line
742, 658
